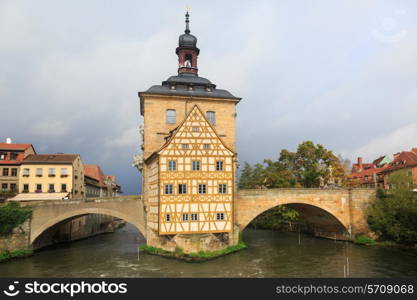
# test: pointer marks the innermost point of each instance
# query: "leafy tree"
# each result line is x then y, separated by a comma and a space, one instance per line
393, 215
11, 216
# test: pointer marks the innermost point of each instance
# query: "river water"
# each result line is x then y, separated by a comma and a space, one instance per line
269, 254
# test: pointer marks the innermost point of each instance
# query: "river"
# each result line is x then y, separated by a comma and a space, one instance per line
269, 254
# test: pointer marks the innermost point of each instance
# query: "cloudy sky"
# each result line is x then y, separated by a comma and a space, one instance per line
340, 73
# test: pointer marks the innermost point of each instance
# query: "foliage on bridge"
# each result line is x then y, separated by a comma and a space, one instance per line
11, 216
302, 168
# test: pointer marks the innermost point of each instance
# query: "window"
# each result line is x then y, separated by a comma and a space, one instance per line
220, 216
219, 165
171, 116
3, 155
182, 188
172, 165
64, 172
196, 129
6, 172
222, 188
13, 187
51, 188
14, 171
184, 146
211, 117
13, 155
4, 187
194, 217
202, 188
51, 172
196, 165
168, 217
184, 217
39, 188
39, 172
206, 146
25, 188
168, 189
26, 172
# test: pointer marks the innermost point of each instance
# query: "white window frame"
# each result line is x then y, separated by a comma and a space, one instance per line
194, 217
220, 216
182, 188
222, 188
172, 165
219, 163
202, 188
168, 189
211, 117
185, 217
170, 116
196, 165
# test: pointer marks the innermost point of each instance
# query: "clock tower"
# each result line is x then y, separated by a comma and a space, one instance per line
189, 158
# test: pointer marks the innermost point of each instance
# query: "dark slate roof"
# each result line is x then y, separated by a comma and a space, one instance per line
188, 84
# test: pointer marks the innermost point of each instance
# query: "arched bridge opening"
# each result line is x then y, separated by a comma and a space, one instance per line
311, 219
80, 226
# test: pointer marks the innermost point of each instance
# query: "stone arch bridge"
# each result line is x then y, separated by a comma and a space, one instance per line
331, 210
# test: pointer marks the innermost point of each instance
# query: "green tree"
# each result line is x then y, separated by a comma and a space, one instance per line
310, 162
393, 215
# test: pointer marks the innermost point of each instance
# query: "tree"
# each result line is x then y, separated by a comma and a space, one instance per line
393, 215
310, 162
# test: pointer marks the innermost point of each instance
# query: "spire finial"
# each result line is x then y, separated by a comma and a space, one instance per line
187, 28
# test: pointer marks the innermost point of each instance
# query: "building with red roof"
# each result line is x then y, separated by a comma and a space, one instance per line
405, 161
11, 157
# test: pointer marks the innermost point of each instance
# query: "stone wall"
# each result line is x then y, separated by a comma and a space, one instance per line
18, 240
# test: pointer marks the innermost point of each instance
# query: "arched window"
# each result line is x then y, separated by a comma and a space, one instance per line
188, 60
211, 117
170, 116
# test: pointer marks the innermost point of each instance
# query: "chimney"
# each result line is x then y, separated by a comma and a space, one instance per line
8, 140
360, 163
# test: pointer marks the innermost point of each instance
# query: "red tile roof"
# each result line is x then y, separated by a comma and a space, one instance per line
402, 160
94, 172
20, 150
8, 147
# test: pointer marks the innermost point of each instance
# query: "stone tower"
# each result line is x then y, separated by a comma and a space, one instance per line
189, 158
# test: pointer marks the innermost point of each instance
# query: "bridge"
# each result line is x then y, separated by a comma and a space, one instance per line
332, 210
46, 214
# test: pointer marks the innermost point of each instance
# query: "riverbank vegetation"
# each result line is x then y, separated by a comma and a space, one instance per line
193, 257
6, 255
393, 216
11, 216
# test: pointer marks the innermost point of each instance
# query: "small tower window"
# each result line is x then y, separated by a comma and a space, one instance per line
170, 116
168, 217
188, 60
211, 117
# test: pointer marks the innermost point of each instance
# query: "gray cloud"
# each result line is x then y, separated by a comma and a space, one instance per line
337, 73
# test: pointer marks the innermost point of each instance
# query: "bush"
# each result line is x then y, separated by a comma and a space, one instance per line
393, 216
363, 240
11, 216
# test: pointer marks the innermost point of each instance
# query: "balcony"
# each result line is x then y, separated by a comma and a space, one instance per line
64, 175
51, 175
